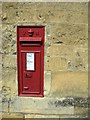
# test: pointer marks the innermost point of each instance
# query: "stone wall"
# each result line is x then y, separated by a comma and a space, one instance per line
66, 59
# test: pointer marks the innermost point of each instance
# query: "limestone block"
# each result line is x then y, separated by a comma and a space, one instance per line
79, 60
20, 15
0, 85
81, 111
76, 57
38, 105
0, 95
47, 12
0, 42
12, 115
0, 28
0, 116
42, 116
47, 34
9, 61
69, 84
7, 5
66, 50
29, 14
5, 107
27, 5
68, 16
69, 34
67, 63
0, 38
33, 5
72, 117
0, 66
10, 1
79, 117
9, 38
58, 50
47, 83
9, 80
69, 6
0, 103
0, 10
56, 63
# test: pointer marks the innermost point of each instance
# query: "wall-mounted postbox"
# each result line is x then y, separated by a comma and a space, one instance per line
30, 59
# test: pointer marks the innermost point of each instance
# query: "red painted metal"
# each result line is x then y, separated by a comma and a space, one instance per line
36, 39
30, 82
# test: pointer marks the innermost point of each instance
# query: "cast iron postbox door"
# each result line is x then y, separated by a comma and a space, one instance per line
30, 54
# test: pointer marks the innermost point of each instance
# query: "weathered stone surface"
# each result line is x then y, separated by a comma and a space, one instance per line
54, 12
0, 8
69, 84
0, 69
9, 39
12, 115
66, 43
69, 101
75, 1
68, 16
5, 107
64, 57
81, 111
0, 116
47, 83
56, 63
0, 37
9, 61
81, 102
38, 105
0, 84
69, 34
75, 118
9, 83
9, 5
20, 15
0, 58
63, 63
0, 103
42, 116
66, 50
0, 92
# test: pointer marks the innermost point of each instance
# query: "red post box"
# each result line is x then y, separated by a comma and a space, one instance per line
30, 60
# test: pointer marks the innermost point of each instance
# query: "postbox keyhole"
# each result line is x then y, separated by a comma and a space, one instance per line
31, 32
28, 75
